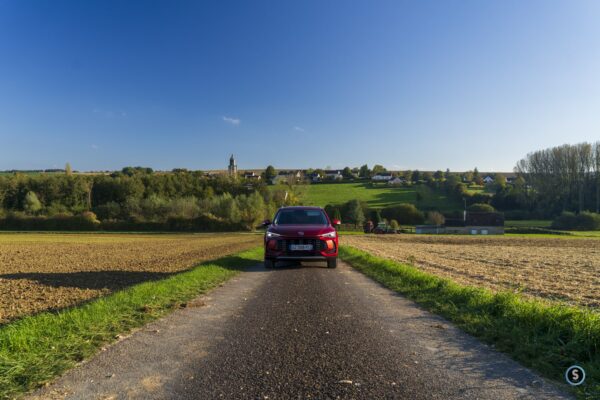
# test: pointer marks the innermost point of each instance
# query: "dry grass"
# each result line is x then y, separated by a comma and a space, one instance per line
41, 272
550, 268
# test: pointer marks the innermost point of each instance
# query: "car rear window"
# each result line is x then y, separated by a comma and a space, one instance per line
301, 217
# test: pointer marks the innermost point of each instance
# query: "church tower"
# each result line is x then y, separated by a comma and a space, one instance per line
232, 167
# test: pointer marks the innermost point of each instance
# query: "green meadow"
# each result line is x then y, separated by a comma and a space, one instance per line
376, 196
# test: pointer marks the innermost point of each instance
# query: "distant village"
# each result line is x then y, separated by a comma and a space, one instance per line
273, 176
377, 175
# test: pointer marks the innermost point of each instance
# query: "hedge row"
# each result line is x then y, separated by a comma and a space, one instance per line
584, 221
83, 223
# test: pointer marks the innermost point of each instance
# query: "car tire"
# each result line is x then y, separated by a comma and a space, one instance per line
269, 264
332, 262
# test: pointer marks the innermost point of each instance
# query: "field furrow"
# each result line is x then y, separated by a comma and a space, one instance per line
550, 268
40, 272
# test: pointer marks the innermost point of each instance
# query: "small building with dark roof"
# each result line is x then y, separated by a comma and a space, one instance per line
474, 223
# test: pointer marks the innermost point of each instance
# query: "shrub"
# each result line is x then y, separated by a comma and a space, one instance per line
375, 216
59, 222
32, 204
252, 209
154, 208
183, 207
481, 207
226, 207
110, 210
435, 218
517, 215
337, 214
584, 221
406, 214
354, 212
89, 217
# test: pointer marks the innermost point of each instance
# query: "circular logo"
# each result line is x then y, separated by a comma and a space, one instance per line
575, 375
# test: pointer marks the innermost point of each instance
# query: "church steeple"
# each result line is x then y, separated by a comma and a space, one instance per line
232, 169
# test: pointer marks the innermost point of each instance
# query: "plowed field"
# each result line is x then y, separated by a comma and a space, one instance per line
550, 268
41, 272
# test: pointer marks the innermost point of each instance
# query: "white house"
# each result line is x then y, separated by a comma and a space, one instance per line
488, 179
252, 176
314, 177
334, 174
396, 181
382, 177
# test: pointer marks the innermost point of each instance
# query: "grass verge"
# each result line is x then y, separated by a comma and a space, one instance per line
36, 349
544, 336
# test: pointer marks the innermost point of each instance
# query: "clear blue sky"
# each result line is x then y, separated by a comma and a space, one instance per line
415, 84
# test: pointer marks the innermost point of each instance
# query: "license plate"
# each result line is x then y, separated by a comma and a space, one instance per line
301, 247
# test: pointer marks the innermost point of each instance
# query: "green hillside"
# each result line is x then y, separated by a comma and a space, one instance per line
378, 196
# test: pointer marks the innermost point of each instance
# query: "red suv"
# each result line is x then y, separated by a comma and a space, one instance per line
301, 234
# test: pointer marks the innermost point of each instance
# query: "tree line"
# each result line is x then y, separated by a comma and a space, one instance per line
139, 196
563, 178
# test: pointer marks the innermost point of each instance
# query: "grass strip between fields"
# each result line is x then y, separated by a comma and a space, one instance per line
544, 336
36, 349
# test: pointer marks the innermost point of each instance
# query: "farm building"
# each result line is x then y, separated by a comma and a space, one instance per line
474, 223
430, 229
477, 223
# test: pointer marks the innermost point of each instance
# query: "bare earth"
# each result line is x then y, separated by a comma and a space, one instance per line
549, 268
41, 272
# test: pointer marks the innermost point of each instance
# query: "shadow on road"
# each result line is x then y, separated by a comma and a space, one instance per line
287, 265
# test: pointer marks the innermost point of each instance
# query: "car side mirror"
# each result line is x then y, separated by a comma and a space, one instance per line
266, 223
336, 222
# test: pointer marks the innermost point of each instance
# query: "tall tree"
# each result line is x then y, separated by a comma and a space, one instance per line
468, 177
416, 176
355, 213
560, 177
499, 182
377, 169
347, 173
31, 203
364, 171
270, 173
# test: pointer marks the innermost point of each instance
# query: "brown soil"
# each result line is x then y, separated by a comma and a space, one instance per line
41, 272
550, 268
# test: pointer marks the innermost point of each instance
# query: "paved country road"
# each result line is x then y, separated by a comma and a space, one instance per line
300, 333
